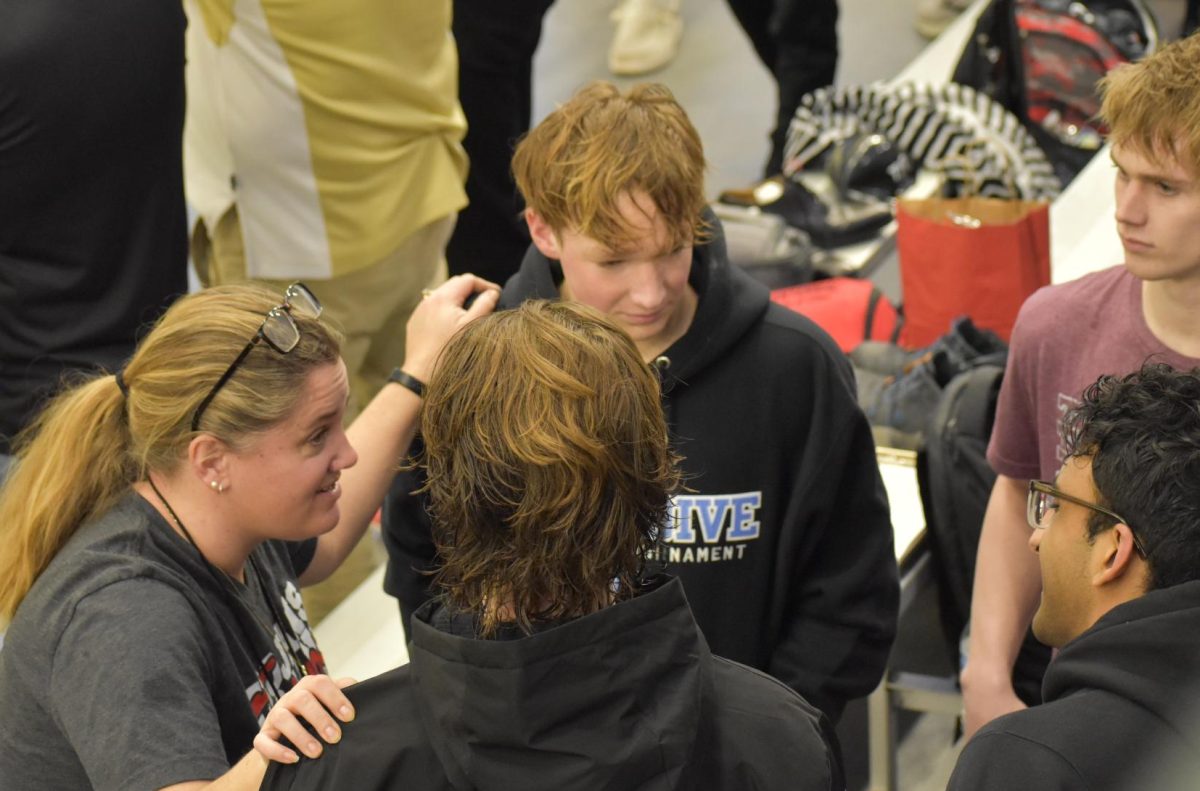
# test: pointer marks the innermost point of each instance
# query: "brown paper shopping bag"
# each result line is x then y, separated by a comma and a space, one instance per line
975, 256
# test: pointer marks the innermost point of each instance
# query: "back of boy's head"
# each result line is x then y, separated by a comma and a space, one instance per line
575, 165
548, 464
1154, 105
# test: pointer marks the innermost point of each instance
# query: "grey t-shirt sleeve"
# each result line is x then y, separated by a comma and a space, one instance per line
130, 688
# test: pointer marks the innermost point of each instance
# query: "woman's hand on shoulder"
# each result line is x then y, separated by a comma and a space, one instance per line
442, 313
317, 700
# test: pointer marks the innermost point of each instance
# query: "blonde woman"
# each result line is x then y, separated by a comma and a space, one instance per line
155, 529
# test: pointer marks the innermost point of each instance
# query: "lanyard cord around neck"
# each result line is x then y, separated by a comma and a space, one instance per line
229, 590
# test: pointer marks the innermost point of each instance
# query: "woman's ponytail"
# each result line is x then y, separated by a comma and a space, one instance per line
72, 463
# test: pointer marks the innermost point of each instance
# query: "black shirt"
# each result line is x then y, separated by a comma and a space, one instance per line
93, 225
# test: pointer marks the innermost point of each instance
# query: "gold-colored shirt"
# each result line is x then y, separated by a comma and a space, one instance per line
333, 124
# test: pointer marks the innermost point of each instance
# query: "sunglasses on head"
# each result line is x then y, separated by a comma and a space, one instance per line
278, 329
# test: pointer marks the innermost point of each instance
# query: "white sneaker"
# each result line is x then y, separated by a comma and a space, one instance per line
647, 36
934, 16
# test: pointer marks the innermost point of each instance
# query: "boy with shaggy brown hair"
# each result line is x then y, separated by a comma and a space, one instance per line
782, 538
1066, 335
555, 659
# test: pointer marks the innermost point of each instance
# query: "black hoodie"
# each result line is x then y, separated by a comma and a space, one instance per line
1120, 702
624, 699
785, 547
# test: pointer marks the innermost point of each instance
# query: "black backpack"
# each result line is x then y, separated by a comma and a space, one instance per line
1041, 60
956, 481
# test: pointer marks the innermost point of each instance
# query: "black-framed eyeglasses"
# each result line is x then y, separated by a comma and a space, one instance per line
1044, 497
278, 329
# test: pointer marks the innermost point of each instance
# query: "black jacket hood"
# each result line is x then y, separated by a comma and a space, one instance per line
1119, 712
500, 712
625, 699
730, 301
1145, 651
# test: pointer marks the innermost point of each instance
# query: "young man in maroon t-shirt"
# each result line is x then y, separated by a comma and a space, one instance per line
1067, 335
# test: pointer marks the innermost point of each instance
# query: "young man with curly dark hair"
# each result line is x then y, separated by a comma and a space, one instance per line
1117, 539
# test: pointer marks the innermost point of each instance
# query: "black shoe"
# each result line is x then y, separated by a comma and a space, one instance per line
834, 224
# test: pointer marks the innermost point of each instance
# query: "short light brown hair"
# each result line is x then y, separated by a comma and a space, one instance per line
573, 167
548, 466
1154, 105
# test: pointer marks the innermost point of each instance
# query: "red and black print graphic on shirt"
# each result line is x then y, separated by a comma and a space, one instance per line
278, 668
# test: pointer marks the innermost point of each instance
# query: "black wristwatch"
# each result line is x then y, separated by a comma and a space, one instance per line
409, 381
